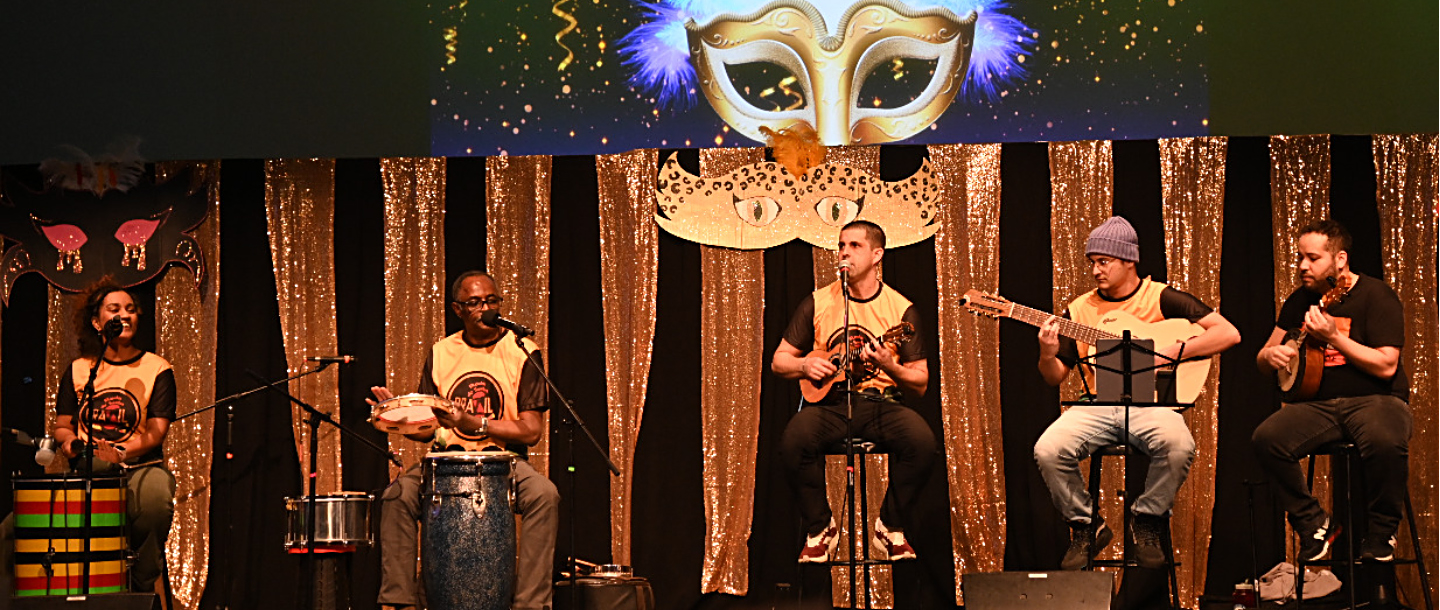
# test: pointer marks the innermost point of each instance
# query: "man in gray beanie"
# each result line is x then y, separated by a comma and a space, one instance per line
1113, 249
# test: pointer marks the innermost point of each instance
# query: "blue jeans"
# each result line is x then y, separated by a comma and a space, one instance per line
1155, 431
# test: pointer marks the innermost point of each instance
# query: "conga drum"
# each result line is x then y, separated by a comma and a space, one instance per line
467, 547
50, 536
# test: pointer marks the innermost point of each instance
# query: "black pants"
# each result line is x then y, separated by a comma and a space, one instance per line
1379, 425
898, 429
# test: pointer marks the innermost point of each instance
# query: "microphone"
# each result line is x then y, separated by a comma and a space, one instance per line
113, 328
845, 269
21, 437
492, 318
45, 450
331, 359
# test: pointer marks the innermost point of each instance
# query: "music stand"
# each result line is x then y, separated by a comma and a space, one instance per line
1125, 350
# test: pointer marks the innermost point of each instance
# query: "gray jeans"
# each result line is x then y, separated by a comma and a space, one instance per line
538, 503
1155, 431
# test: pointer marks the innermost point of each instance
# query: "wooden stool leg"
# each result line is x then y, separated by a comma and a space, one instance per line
1419, 556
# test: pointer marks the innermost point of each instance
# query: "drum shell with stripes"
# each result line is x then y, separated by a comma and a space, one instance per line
49, 531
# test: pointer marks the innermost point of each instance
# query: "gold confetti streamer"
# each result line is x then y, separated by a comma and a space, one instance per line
571, 23
452, 36
784, 87
898, 67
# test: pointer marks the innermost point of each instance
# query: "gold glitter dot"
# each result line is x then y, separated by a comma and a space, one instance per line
1205, 122
434, 102
565, 89
527, 108
523, 36
1097, 79
1199, 28
1020, 58
602, 45
1054, 44
468, 151
604, 140
719, 140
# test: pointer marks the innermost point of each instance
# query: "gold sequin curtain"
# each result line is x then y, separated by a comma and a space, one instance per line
732, 293
865, 158
415, 287
300, 209
517, 215
1299, 194
1192, 188
966, 257
630, 255
186, 322
60, 351
1082, 180
1408, 201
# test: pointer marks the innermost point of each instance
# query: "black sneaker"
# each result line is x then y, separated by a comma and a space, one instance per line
1147, 531
1315, 544
1086, 541
1375, 549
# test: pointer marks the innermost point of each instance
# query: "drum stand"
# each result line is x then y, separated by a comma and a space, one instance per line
313, 421
571, 421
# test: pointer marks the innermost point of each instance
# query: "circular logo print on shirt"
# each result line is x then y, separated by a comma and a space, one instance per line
477, 393
113, 415
860, 370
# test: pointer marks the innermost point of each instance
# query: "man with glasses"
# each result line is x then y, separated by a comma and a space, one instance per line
498, 399
1160, 433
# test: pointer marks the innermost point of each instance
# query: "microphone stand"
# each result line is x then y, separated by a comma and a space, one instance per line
87, 472
571, 421
229, 403
313, 421
850, 491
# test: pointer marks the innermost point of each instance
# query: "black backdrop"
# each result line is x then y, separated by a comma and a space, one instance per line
248, 569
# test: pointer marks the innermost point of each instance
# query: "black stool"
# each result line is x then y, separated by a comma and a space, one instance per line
1347, 452
858, 449
1123, 450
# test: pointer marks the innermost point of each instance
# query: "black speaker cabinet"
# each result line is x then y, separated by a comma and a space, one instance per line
108, 601
1038, 590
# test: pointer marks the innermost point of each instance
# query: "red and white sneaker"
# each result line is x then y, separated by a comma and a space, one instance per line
820, 547
890, 545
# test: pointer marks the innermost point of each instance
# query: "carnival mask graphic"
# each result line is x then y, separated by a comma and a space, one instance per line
75, 237
953, 46
763, 205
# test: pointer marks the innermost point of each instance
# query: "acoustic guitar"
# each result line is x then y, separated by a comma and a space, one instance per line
816, 391
1189, 375
1300, 378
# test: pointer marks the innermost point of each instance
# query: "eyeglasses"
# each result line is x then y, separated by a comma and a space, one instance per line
490, 301
1100, 261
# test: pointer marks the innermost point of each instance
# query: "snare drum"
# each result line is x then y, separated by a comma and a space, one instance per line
49, 515
342, 522
408, 414
467, 547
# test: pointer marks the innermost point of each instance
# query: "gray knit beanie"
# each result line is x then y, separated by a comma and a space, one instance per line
1114, 237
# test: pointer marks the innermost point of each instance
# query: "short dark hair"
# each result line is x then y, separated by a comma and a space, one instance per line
1339, 238
460, 281
873, 232
89, 340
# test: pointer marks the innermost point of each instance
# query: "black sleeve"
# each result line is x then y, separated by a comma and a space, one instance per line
1292, 312
1177, 304
914, 349
801, 331
534, 394
1069, 350
66, 402
162, 396
427, 377
1385, 318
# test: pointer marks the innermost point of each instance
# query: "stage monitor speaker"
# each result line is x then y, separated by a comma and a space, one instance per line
1038, 590
108, 601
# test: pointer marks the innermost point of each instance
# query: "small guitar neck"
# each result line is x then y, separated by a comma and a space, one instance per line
1066, 327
